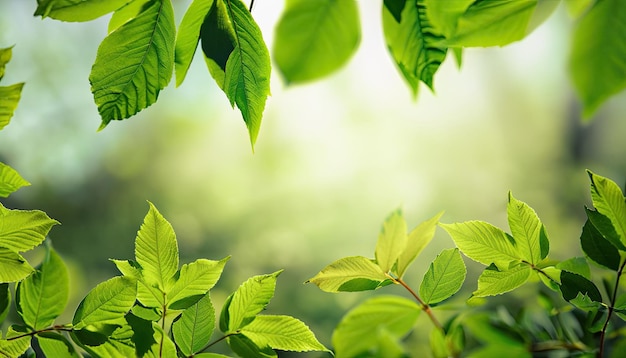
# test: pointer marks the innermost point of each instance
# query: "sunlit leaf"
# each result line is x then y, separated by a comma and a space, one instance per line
416, 242
250, 299
77, 10
494, 282
526, 229
483, 242
126, 13
188, 36
5, 56
193, 329
608, 199
42, 296
134, 63
22, 230
56, 345
357, 332
118, 344
444, 277
315, 38
15, 347
147, 295
411, 40
245, 347
577, 8
284, 333
5, 300
355, 273
14, 266
108, 301
391, 241
572, 284
9, 97
597, 65
444, 15
193, 281
597, 248
10, 180
577, 265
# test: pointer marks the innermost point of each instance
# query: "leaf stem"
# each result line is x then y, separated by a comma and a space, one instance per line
251, 4
611, 309
214, 343
163, 325
58, 328
424, 305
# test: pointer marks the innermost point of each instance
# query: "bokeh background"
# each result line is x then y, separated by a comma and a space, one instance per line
333, 158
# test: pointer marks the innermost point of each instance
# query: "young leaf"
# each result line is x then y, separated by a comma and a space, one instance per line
357, 332
22, 230
494, 282
14, 266
156, 249
188, 37
247, 79
42, 296
193, 281
597, 248
9, 97
391, 241
355, 273
572, 284
411, 40
55, 345
283, 332
147, 295
134, 63
250, 299
107, 302
444, 277
526, 229
493, 23
608, 199
596, 65
416, 242
315, 38
77, 10
244, 347
10, 180
5, 300
194, 327
16, 347
483, 242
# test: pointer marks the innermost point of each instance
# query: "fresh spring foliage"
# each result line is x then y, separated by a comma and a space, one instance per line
312, 40
571, 315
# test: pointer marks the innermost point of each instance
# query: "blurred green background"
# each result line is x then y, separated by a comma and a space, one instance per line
333, 158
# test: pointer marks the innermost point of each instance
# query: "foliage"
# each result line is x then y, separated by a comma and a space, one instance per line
314, 39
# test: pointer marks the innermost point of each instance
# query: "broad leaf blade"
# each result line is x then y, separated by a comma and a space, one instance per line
355, 273
188, 37
116, 344
218, 38
358, 330
9, 97
247, 78
56, 345
147, 295
416, 242
315, 38
42, 296
444, 277
10, 180
244, 347
156, 249
5, 56
391, 241
250, 299
77, 10
494, 282
483, 242
22, 230
193, 329
526, 229
573, 284
16, 347
597, 248
134, 63
109, 301
14, 266
597, 65
444, 15
608, 199
193, 281
577, 265
282, 332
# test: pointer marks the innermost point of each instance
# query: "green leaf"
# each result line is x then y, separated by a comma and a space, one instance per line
146, 313
551, 277
315, 38
5, 300
444, 15
484, 243
188, 37
210, 355
438, 345
597, 248
577, 265
444, 277
117, 344
482, 327
5, 56
391, 241
358, 330
572, 284
250, 299
16, 347
134, 63
411, 40
608, 199
494, 282
77, 10
247, 75
282, 332
244, 347
224, 315
22, 230
218, 40
577, 8
107, 302
9, 97
194, 327
126, 13
526, 229
585, 303
42, 296
193, 281
493, 23
597, 65
147, 295
416, 242
10, 180
163, 347
55, 345
13, 267
355, 273
156, 250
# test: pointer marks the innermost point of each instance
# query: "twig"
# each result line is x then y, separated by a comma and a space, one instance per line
611, 309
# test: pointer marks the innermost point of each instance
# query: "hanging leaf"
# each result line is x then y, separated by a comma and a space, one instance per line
218, 40
127, 13
416, 242
10, 180
134, 63
444, 277
315, 38
189, 35
282, 332
77, 10
355, 273
391, 241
